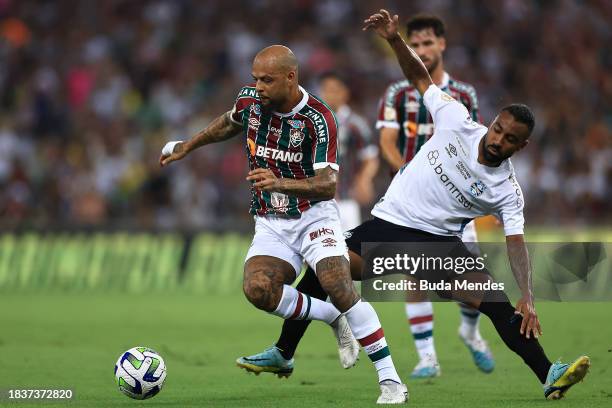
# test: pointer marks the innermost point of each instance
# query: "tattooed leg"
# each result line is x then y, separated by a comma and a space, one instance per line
335, 277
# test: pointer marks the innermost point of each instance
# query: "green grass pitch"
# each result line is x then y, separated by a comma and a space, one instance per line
60, 340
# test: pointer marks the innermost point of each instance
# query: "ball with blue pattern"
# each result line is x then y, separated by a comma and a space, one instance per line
140, 373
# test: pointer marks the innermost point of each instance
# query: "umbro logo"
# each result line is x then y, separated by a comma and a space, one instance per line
254, 124
329, 242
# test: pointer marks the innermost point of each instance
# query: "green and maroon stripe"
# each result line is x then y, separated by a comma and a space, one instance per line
375, 345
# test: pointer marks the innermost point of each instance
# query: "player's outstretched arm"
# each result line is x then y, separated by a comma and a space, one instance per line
519, 263
322, 186
222, 128
386, 27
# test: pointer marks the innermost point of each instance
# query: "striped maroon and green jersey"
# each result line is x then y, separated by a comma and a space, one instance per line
292, 145
402, 108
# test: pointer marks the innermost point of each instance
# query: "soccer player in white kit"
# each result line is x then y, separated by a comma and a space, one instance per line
461, 173
464, 171
405, 126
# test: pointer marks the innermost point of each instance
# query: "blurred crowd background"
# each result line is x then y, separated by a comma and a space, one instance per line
91, 90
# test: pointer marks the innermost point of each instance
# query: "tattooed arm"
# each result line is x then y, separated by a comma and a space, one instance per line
322, 186
222, 128
519, 263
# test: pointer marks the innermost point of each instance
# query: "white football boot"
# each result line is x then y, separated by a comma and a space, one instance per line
392, 393
348, 346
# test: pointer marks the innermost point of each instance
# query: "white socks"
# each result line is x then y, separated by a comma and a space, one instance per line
365, 325
469, 322
420, 318
299, 306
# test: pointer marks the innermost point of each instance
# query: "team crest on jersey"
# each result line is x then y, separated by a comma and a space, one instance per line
296, 134
280, 201
256, 109
477, 188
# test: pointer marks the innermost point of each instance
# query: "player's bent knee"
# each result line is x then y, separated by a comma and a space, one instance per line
262, 293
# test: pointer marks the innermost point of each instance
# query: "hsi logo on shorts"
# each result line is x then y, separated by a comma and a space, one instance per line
320, 232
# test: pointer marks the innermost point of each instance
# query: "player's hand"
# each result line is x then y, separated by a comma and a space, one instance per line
531, 323
383, 24
264, 179
178, 152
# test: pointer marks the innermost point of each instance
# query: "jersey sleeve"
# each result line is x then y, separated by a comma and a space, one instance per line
511, 210
446, 112
388, 113
324, 148
246, 97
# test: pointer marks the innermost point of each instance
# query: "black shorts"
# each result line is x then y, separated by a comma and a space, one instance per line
378, 230
379, 238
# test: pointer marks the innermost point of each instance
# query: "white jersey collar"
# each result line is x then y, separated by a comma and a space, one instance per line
297, 107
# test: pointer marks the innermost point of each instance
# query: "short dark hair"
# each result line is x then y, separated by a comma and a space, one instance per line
522, 113
423, 21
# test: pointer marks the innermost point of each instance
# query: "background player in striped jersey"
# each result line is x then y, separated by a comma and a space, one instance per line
357, 152
291, 139
405, 125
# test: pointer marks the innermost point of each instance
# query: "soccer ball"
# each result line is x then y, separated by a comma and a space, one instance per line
140, 373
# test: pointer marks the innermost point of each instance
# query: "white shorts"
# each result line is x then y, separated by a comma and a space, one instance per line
470, 238
316, 235
469, 232
350, 214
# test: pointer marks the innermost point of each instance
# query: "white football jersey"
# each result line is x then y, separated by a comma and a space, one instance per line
444, 187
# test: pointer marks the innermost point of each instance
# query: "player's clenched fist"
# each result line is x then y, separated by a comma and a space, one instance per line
264, 179
172, 151
383, 24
